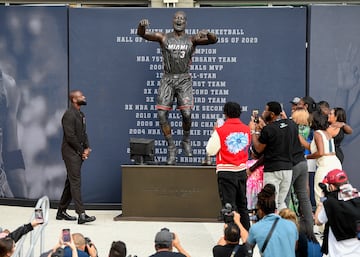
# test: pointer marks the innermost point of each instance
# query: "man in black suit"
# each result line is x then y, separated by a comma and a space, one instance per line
75, 149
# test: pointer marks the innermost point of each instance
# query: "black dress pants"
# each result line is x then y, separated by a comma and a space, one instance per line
72, 188
232, 189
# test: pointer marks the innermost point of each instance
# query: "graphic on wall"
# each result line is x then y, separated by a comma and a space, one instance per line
33, 89
334, 70
260, 53
260, 56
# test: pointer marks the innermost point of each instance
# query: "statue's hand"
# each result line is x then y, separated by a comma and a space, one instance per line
202, 33
144, 23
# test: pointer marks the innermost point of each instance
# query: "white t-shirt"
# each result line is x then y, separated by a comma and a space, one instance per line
343, 248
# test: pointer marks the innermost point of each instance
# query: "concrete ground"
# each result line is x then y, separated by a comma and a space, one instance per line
197, 238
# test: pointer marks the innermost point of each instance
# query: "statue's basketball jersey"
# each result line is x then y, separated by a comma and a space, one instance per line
177, 53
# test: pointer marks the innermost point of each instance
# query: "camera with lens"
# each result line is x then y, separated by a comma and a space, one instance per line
88, 241
324, 188
89, 244
227, 214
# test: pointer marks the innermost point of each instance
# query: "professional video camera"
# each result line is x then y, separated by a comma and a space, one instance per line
227, 214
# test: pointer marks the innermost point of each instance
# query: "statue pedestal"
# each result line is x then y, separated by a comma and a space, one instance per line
161, 191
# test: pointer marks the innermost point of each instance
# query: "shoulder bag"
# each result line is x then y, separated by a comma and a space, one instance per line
268, 236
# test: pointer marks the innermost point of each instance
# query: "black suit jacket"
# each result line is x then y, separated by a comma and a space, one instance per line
75, 139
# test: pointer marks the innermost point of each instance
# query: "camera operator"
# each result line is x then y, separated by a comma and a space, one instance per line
165, 241
229, 244
59, 249
84, 245
85, 248
118, 249
339, 211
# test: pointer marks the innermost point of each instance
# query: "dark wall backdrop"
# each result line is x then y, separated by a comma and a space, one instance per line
260, 56
334, 70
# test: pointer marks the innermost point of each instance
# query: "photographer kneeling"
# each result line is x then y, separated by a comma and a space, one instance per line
339, 211
229, 244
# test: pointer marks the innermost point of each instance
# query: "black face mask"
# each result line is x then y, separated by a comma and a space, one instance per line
82, 102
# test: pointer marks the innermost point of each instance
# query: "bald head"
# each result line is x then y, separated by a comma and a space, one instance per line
77, 98
73, 94
180, 13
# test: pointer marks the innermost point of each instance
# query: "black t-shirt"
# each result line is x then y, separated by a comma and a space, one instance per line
342, 216
167, 254
280, 137
226, 250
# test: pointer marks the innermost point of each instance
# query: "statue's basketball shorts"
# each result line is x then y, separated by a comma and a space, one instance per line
173, 86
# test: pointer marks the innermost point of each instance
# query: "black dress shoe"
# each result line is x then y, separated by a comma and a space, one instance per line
83, 218
63, 215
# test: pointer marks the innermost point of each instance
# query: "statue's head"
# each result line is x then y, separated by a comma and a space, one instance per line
179, 21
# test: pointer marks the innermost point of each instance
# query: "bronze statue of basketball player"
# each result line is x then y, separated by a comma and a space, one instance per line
177, 48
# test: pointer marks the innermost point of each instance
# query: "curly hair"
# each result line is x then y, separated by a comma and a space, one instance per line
266, 199
232, 110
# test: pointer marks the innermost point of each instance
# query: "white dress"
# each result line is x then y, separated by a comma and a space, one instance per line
325, 163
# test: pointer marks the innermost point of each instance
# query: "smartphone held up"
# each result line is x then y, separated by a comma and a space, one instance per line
39, 217
255, 115
66, 236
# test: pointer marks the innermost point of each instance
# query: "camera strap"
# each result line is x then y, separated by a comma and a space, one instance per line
269, 235
236, 248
